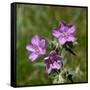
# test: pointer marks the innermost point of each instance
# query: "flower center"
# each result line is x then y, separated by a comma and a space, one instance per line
64, 33
51, 59
37, 49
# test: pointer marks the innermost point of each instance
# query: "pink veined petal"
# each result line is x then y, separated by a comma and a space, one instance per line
55, 65
62, 23
42, 43
62, 40
63, 26
42, 51
30, 48
71, 38
33, 56
35, 40
46, 60
56, 33
48, 70
53, 51
71, 29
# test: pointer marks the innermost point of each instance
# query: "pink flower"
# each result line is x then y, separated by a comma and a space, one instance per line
36, 48
53, 61
64, 33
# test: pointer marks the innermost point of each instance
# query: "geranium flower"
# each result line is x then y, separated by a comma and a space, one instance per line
64, 33
36, 48
53, 61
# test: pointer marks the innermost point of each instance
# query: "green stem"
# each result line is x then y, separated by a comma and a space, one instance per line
62, 54
57, 71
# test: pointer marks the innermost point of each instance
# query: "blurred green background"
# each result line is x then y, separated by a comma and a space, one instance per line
37, 19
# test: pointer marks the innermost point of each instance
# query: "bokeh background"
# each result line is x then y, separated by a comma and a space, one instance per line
39, 19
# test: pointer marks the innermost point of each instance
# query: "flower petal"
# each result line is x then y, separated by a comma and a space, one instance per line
63, 27
62, 40
59, 58
48, 70
71, 29
62, 24
35, 40
33, 56
53, 53
56, 33
71, 38
42, 52
48, 65
42, 43
55, 65
30, 48
46, 59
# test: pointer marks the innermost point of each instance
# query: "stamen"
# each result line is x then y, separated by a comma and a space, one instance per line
37, 49
64, 34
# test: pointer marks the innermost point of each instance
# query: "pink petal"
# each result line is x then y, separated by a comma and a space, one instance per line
48, 65
42, 43
46, 60
35, 40
55, 65
62, 24
62, 40
33, 56
56, 33
48, 70
71, 38
71, 29
30, 48
43, 51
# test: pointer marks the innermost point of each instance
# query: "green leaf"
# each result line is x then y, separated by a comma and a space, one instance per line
39, 64
69, 47
58, 79
62, 52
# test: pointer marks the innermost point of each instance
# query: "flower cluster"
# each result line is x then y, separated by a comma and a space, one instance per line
65, 36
